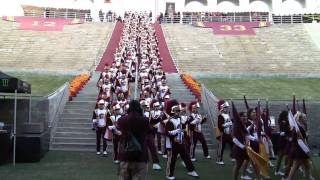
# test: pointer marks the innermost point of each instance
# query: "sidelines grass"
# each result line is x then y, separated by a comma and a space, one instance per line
59, 165
42, 84
276, 88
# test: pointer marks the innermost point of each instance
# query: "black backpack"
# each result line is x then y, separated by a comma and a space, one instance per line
130, 144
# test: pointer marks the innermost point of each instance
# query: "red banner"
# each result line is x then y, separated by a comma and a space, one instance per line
235, 28
42, 24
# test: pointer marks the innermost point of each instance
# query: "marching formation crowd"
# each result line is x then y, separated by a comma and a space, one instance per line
171, 132
249, 134
157, 125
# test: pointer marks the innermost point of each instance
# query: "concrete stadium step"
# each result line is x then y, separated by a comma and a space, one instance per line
77, 115
74, 129
76, 111
74, 140
75, 120
75, 125
76, 134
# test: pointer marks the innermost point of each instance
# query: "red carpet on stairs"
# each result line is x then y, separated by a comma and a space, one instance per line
108, 55
168, 65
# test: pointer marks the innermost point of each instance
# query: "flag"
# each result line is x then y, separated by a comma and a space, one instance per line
238, 128
292, 122
246, 102
258, 119
294, 110
260, 161
304, 109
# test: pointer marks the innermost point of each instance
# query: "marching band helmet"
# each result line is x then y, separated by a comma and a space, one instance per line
154, 104
167, 97
193, 105
101, 102
116, 106
120, 95
183, 106
172, 106
222, 104
144, 103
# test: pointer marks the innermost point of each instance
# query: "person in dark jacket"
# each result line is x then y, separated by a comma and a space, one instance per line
133, 154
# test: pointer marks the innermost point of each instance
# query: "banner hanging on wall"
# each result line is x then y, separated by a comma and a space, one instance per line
41, 24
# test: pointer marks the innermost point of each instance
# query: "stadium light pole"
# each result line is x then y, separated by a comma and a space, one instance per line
14, 127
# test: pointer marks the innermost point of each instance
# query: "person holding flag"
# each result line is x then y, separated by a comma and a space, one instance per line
241, 139
300, 152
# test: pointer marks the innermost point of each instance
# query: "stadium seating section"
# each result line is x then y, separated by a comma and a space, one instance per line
285, 48
74, 49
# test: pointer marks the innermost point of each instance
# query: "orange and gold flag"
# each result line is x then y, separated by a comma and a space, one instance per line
260, 161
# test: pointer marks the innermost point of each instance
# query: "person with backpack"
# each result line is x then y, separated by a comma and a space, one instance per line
133, 153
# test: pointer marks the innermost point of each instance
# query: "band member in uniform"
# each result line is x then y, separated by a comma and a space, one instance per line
240, 139
283, 140
252, 129
112, 122
185, 121
196, 120
99, 119
151, 136
225, 127
157, 116
176, 142
300, 152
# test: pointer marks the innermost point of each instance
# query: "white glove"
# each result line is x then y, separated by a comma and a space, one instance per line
94, 120
238, 143
227, 124
117, 132
111, 127
282, 133
174, 132
251, 138
262, 133
195, 121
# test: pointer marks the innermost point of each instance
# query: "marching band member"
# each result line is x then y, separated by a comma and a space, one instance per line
225, 127
300, 152
112, 126
240, 139
151, 136
254, 140
157, 116
99, 119
185, 121
283, 140
176, 142
196, 120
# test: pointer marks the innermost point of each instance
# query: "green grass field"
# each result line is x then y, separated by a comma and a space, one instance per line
58, 165
42, 84
264, 88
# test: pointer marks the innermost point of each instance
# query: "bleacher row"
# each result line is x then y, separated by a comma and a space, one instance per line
195, 49
74, 49
276, 49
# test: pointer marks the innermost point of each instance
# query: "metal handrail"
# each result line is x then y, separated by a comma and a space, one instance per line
276, 19
191, 19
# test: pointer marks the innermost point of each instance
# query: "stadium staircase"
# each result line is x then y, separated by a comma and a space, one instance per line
73, 131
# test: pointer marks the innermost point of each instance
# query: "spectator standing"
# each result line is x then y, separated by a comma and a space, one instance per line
133, 154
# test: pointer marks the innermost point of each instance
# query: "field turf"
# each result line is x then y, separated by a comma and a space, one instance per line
273, 88
42, 84
59, 165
